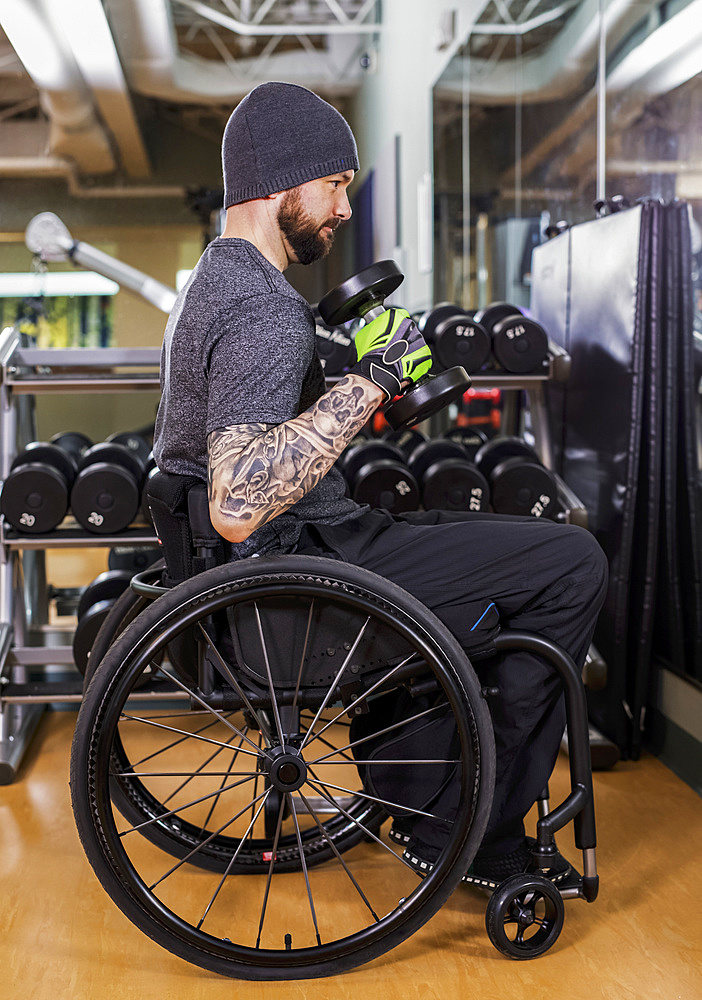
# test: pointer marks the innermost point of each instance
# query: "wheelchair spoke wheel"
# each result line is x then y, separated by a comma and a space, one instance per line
297, 703
524, 916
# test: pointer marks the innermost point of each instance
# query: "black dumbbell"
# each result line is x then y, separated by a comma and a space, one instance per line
406, 438
135, 442
95, 604
133, 558
377, 474
519, 482
519, 344
470, 438
36, 493
363, 295
455, 337
74, 443
335, 349
449, 481
107, 492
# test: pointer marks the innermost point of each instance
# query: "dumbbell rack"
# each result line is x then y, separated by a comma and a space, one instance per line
27, 642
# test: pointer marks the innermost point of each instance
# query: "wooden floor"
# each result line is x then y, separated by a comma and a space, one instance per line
62, 937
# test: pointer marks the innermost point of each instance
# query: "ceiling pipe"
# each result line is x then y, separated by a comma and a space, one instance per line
75, 130
48, 237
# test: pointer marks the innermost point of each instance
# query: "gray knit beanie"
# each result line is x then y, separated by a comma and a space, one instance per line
281, 135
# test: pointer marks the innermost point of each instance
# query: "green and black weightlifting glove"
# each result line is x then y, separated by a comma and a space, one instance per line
391, 350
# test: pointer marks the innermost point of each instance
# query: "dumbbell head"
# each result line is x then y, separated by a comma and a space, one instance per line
377, 475
519, 483
406, 438
87, 630
363, 294
494, 313
335, 350
521, 486
36, 492
105, 587
72, 442
460, 340
519, 344
455, 484
429, 452
138, 445
500, 448
106, 494
429, 320
470, 438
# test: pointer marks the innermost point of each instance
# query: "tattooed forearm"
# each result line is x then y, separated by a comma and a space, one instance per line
257, 470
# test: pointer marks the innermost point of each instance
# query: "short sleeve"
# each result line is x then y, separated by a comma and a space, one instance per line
256, 361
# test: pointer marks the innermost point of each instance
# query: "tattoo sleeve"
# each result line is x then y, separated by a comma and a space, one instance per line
256, 471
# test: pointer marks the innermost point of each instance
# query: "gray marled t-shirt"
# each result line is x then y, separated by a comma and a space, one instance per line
240, 348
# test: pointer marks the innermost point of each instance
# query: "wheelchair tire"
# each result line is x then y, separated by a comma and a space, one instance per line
284, 923
140, 806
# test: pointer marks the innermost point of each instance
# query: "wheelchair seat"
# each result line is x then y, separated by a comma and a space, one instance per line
252, 725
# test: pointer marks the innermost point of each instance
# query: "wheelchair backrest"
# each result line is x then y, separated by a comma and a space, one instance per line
180, 512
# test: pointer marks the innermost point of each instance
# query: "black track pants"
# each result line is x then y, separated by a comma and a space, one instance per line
545, 577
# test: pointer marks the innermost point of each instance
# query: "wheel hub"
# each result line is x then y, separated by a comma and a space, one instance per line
285, 767
524, 915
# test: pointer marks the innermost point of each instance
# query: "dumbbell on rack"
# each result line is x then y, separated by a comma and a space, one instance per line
74, 443
35, 495
519, 482
449, 480
93, 608
377, 474
106, 494
519, 344
455, 338
470, 438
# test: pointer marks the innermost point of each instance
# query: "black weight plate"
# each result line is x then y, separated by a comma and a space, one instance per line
386, 484
105, 587
34, 498
431, 394
522, 487
455, 484
495, 312
472, 439
430, 452
406, 438
335, 349
87, 630
519, 344
459, 340
366, 452
138, 445
105, 498
429, 320
112, 453
500, 448
47, 454
133, 558
74, 443
359, 293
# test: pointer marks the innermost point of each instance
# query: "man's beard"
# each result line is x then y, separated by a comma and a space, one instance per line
301, 231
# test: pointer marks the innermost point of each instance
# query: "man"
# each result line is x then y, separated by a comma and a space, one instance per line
244, 406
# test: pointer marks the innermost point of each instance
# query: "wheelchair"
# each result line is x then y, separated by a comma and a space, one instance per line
250, 729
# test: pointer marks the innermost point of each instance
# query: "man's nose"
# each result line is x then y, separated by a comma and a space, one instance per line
342, 208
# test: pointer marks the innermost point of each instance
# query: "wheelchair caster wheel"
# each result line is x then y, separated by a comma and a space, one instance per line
524, 916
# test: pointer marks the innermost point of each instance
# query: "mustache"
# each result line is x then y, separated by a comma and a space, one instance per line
332, 224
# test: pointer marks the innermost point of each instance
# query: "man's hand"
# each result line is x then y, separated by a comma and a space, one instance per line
390, 351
